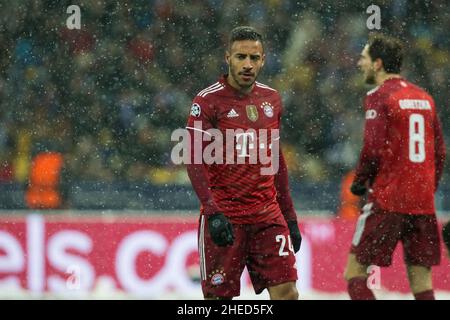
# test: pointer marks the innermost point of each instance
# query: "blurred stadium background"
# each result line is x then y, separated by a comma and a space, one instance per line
108, 96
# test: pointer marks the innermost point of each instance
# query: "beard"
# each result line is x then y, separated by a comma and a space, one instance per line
370, 78
236, 77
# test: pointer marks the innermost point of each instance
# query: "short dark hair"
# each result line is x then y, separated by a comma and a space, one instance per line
388, 49
244, 33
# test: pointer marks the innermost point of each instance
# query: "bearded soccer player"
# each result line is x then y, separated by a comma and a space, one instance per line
400, 165
247, 217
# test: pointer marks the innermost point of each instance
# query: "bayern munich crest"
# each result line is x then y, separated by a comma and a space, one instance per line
217, 277
268, 109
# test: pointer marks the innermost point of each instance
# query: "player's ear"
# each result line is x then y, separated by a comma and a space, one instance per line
378, 64
263, 59
227, 57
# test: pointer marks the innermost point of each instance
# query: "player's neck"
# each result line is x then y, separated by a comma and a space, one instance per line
383, 76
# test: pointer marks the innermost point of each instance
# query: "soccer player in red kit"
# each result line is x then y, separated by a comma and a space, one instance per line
247, 218
400, 165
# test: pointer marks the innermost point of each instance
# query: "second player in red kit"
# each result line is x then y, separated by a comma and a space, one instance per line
400, 166
247, 216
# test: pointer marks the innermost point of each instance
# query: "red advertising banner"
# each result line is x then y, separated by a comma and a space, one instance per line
156, 256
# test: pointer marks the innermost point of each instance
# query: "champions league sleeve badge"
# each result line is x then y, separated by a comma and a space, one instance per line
196, 110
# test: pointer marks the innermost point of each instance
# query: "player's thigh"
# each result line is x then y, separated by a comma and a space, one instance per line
284, 291
419, 277
376, 235
421, 241
271, 259
221, 267
354, 269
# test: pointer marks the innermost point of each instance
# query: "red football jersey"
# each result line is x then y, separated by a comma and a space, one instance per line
403, 151
239, 189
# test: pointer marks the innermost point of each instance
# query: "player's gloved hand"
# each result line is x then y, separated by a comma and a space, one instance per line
446, 236
220, 229
358, 189
296, 237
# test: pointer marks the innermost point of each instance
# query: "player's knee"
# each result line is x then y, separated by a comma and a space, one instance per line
354, 271
347, 275
350, 273
286, 292
420, 278
292, 294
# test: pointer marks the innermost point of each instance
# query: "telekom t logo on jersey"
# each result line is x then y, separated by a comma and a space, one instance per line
237, 146
244, 142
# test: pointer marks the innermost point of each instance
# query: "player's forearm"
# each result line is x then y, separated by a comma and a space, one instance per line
199, 179
284, 198
367, 167
375, 137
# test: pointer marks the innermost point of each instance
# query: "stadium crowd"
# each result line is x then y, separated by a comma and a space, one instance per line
110, 94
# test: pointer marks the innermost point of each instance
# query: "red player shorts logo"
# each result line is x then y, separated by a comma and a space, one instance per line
252, 112
217, 277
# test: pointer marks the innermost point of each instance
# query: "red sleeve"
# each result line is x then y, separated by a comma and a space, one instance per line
284, 198
375, 137
439, 147
203, 114
199, 179
283, 194
201, 110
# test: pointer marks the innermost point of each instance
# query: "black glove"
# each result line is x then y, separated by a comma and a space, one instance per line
220, 229
358, 189
296, 237
446, 235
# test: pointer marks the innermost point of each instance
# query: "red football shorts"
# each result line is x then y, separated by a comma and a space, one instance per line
378, 232
263, 247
